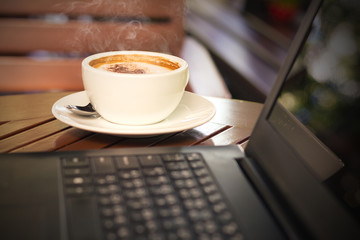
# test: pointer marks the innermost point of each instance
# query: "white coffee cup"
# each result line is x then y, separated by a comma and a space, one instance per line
122, 95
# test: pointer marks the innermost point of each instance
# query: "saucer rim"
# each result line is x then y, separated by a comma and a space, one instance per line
64, 115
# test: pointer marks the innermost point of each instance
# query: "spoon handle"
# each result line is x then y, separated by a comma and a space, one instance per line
87, 110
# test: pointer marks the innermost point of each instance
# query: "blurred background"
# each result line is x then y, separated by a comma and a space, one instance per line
247, 39
234, 47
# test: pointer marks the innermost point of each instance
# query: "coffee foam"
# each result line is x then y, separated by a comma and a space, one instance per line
134, 67
135, 64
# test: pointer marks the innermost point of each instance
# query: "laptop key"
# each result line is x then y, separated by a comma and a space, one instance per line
103, 165
108, 189
176, 165
79, 190
75, 162
77, 180
154, 171
132, 183
107, 179
126, 162
150, 160
193, 157
129, 174
173, 157
76, 171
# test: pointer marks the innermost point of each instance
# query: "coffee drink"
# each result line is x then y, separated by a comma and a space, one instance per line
134, 64
134, 87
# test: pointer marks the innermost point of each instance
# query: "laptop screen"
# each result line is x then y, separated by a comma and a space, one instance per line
322, 92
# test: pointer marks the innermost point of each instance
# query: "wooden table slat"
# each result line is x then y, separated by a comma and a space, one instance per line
31, 135
194, 136
96, 141
11, 128
26, 106
234, 112
56, 141
29, 127
141, 142
233, 135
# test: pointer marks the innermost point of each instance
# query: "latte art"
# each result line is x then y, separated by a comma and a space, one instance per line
134, 64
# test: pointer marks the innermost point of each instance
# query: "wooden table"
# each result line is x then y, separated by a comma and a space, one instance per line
27, 125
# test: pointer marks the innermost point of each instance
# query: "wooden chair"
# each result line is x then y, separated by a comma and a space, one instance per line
42, 42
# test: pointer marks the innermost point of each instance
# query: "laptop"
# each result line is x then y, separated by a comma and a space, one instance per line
298, 178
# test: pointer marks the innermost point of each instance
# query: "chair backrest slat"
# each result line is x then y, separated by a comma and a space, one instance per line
150, 8
23, 36
56, 30
91, 26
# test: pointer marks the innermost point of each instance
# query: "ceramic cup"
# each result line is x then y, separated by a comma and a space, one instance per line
134, 87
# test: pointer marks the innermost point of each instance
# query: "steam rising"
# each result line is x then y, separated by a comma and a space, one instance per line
107, 25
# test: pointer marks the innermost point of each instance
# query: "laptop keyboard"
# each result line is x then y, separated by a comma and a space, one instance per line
170, 196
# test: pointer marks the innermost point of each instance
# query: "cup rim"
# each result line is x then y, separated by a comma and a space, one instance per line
86, 61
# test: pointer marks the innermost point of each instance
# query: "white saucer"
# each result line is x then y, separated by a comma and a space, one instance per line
192, 111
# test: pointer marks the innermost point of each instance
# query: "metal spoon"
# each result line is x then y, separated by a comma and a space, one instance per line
87, 110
